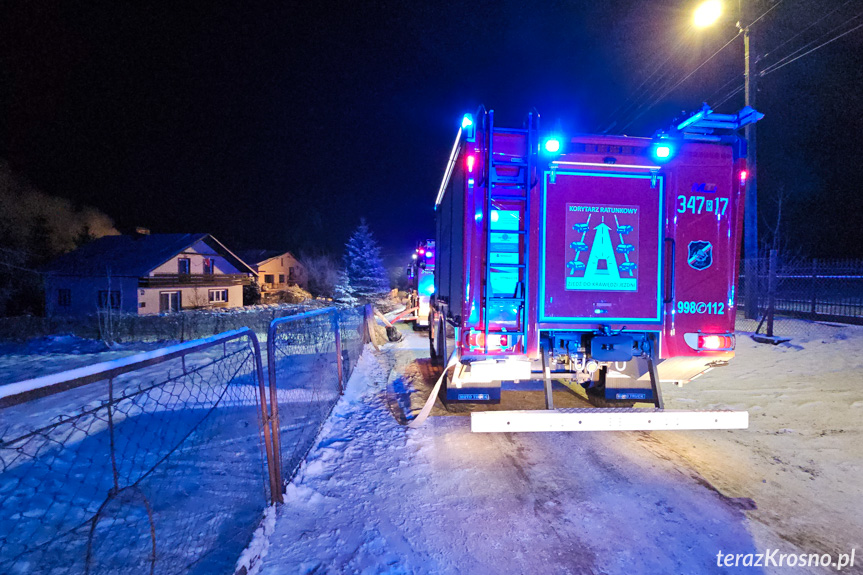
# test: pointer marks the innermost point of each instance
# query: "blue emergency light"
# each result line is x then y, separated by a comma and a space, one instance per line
662, 152
552, 145
468, 128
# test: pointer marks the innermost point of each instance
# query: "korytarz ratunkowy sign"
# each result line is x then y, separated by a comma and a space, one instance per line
602, 242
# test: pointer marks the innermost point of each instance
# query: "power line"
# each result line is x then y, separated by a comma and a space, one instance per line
781, 62
812, 50
622, 108
685, 78
765, 13
773, 66
723, 87
730, 95
815, 23
662, 90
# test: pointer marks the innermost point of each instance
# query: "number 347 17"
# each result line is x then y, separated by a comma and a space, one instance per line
701, 205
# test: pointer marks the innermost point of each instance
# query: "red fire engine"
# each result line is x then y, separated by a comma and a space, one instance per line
420, 275
604, 262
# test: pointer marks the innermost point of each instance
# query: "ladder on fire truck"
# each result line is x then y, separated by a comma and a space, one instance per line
509, 180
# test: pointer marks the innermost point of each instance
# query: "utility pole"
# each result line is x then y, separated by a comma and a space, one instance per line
750, 219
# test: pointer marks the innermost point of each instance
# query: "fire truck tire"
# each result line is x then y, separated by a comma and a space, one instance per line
432, 348
440, 339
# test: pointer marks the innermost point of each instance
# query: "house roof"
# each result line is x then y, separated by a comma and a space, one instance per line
134, 256
258, 257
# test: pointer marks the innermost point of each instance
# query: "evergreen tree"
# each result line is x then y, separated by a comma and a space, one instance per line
364, 266
343, 293
252, 293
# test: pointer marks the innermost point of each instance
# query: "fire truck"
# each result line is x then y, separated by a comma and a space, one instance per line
605, 263
420, 274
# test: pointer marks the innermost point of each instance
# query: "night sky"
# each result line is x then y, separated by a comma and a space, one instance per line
279, 125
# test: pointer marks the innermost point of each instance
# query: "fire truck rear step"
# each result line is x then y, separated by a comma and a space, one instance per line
605, 419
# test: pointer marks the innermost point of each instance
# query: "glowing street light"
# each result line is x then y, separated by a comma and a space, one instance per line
707, 13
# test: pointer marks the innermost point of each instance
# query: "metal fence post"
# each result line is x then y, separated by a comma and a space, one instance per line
337, 331
111, 435
771, 290
276, 467
813, 310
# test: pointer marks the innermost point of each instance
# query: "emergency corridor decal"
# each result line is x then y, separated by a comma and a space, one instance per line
601, 247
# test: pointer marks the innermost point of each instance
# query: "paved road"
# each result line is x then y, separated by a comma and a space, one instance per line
374, 497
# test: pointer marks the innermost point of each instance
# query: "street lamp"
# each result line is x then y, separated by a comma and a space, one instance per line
706, 14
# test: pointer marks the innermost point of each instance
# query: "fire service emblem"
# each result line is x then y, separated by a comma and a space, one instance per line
700, 255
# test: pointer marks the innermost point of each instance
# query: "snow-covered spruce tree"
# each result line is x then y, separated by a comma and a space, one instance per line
343, 293
364, 265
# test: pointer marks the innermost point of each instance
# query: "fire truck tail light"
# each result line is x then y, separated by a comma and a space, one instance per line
476, 339
743, 175
709, 342
471, 161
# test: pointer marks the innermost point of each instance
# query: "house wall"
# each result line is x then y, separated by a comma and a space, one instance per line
84, 294
282, 265
196, 255
190, 298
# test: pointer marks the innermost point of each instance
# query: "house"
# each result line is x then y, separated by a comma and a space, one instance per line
276, 270
145, 274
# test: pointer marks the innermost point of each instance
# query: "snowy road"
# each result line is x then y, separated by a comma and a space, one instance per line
374, 497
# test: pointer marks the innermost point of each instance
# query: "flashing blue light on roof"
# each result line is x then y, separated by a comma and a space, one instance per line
662, 152
468, 128
552, 145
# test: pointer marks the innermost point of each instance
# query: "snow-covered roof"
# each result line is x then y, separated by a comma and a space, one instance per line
134, 256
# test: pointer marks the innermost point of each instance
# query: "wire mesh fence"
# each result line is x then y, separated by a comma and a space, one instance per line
795, 293
114, 326
310, 356
155, 463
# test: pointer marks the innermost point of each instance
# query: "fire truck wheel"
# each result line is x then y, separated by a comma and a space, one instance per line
432, 349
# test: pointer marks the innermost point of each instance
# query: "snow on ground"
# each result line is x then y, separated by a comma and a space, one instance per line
375, 497
53, 354
801, 460
187, 434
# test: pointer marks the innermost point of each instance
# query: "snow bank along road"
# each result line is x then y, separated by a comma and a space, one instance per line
375, 497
